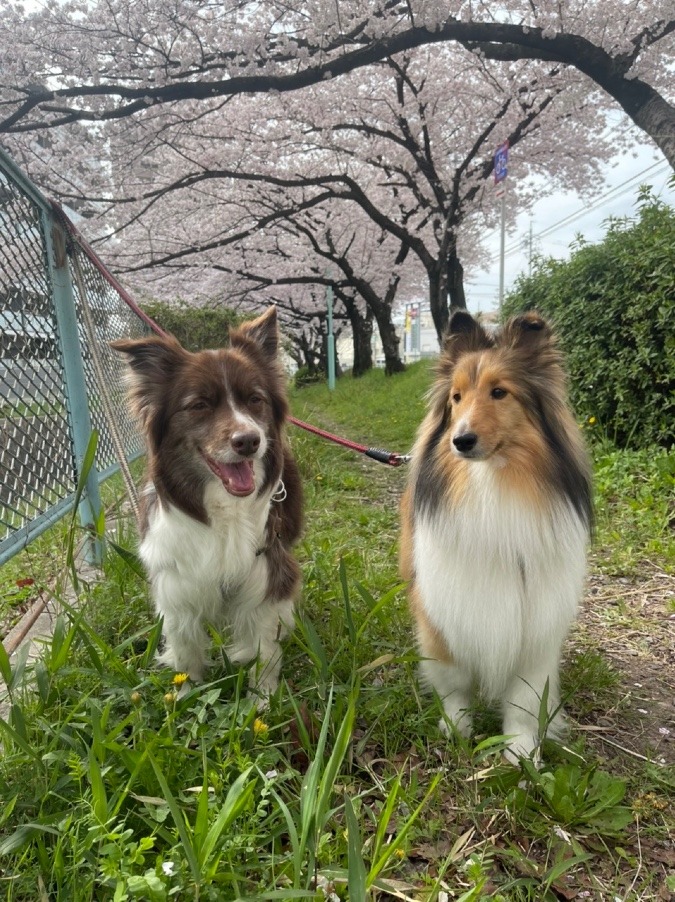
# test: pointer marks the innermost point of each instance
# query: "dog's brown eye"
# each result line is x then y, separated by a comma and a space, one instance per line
498, 393
255, 400
456, 397
201, 404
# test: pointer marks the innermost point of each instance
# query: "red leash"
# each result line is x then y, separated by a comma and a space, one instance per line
378, 454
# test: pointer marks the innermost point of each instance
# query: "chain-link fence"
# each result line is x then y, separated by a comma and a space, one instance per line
58, 311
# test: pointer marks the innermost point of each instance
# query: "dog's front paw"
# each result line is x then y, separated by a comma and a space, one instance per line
240, 654
181, 663
459, 723
523, 745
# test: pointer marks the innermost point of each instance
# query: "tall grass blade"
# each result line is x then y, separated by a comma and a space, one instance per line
312, 646
292, 837
374, 607
130, 558
17, 739
386, 815
85, 470
178, 819
98, 793
20, 661
342, 741
389, 850
5, 666
238, 797
347, 602
356, 869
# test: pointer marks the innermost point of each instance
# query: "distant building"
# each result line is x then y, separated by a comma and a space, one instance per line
416, 332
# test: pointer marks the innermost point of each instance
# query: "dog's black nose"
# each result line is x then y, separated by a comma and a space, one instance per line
465, 442
245, 443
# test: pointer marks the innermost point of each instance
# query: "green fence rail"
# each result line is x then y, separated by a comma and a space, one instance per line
58, 307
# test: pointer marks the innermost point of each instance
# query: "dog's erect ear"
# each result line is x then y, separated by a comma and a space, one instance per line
264, 331
462, 321
465, 334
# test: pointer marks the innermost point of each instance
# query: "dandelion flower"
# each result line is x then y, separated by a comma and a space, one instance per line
260, 728
592, 421
136, 698
170, 698
179, 679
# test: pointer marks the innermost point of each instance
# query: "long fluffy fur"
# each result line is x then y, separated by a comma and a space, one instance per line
495, 521
222, 505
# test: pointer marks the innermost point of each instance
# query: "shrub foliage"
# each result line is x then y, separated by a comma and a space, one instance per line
613, 304
195, 328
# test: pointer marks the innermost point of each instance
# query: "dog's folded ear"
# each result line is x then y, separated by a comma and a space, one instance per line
151, 364
264, 331
527, 329
152, 358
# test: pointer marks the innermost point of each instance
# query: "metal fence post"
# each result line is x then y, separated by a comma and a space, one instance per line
76, 387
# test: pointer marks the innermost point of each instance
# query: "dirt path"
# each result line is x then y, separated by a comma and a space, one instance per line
631, 624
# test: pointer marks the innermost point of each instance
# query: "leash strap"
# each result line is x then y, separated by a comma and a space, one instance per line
378, 454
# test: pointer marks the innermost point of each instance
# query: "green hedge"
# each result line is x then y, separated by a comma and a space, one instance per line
613, 305
195, 328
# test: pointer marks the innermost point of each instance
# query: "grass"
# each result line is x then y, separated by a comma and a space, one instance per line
113, 788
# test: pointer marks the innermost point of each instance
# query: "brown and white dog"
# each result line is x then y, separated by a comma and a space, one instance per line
495, 522
222, 505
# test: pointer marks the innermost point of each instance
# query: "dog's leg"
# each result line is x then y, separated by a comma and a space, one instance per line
453, 685
256, 634
522, 703
185, 647
439, 670
185, 639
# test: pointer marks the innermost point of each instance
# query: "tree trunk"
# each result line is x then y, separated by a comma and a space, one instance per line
362, 336
456, 283
438, 302
390, 342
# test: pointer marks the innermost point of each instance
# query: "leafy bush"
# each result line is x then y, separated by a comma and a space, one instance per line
194, 327
304, 376
612, 304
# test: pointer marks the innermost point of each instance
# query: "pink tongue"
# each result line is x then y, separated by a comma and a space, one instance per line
237, 478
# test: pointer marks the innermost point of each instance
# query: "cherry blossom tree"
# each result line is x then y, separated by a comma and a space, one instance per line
216, 192
418, 158
412, 158
75, 61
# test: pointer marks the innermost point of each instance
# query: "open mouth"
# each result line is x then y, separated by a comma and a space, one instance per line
237, 478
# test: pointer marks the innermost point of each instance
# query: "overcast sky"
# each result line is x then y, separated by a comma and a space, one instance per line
557, 219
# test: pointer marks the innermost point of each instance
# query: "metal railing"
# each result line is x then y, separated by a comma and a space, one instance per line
58, 308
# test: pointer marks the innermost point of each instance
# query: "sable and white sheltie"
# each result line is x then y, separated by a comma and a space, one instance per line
495, 522
223, 504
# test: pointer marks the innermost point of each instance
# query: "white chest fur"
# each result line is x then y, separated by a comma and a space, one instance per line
498, 577
193, 564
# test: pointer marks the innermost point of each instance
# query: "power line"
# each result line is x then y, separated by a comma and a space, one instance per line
601, 201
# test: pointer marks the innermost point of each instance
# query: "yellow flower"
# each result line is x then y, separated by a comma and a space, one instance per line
591, 421
179, 679
399, 853
260, 728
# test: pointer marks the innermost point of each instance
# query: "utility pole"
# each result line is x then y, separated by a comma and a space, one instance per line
330, 339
